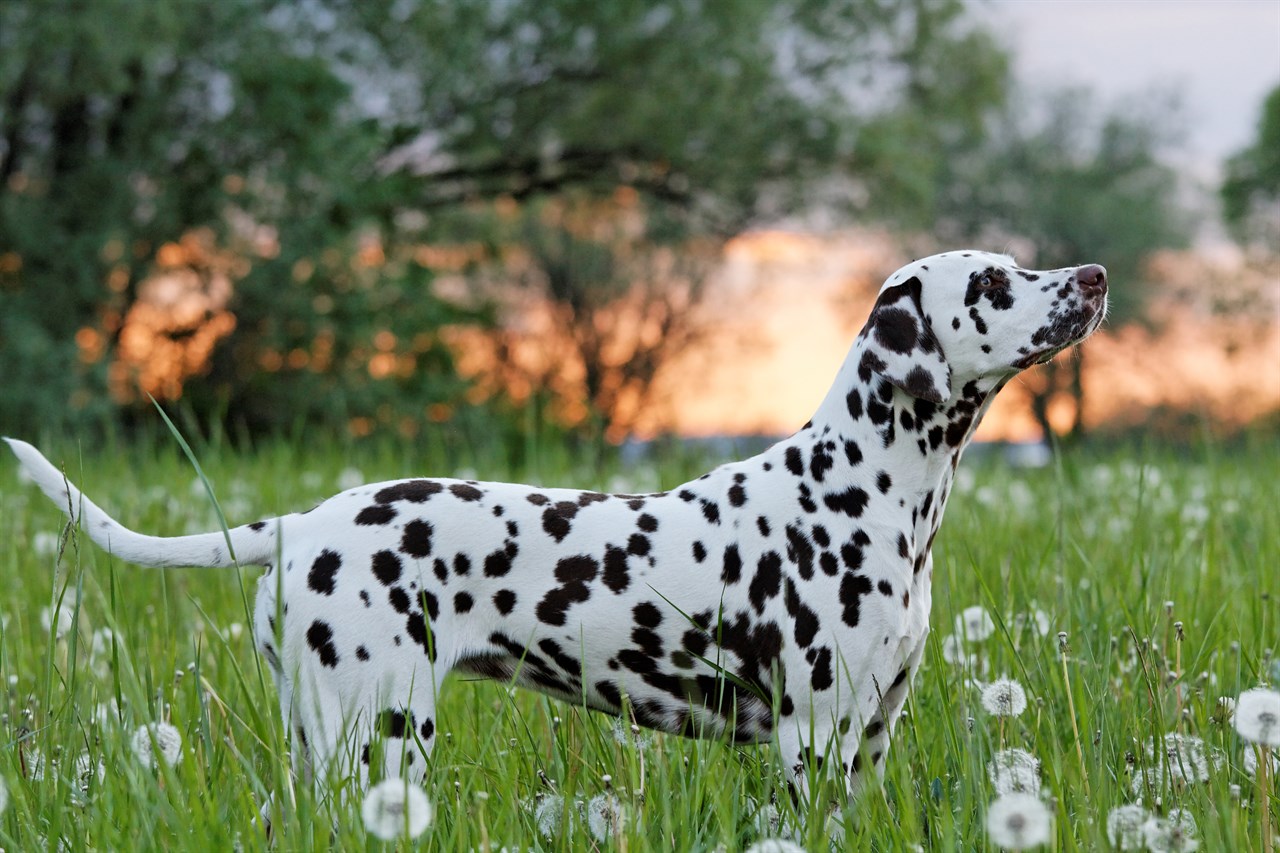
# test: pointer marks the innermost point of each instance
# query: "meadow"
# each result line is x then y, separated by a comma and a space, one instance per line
1127, 590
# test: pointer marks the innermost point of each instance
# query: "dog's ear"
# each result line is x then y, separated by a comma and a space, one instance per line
900, 346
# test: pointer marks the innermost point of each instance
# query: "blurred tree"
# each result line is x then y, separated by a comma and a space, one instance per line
713, 117
1251, 187
207, 152
1075, 183
287, 163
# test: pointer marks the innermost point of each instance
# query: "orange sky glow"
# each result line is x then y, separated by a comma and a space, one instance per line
784, 308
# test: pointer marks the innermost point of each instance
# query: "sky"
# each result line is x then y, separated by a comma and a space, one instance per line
1224, 56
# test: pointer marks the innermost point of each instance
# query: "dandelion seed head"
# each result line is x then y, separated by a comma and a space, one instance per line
1258, 716
1181, 759
1014, 770
1251, 763
64, 617
547, 813
766, 818
394, 808
774, 845
1176, 833
1018, 821
955, 653
604, 816
1125, 827
349, 478
630, 735
1035, 619
153, 737
975, 624
45, 543
1004, 697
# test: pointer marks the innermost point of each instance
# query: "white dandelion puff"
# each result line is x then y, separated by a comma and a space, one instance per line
102, 642
1251, 763
1125, 827
86, 769
36, 764
1175, 834
1018, 821
45, 543
629, 734
766, 819
1014, 770
1258, 716
349, 478
58, 624
605, 816
393, 808
955, 653
1034, 619
157, 738
1181, 759
1004, 697
774, 845
975, 624
547, 814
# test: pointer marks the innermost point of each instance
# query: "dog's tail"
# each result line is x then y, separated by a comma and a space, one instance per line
253, 544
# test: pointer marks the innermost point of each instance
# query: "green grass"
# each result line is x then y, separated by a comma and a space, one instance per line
1114, 547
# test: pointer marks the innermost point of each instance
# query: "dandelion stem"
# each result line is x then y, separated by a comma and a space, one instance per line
1264, 795
1071, 709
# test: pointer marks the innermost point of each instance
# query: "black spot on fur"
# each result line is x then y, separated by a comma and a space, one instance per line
556, 519
853, 402
852, 588
320, 639
616, 576
767, 580
795, 463
414, 491
732, 571
376, 514
896, 329
497, 564
464, 492
399, 599
852, 452
323, 575
462, 603
416, 541
852, 501
504, 600
386, 567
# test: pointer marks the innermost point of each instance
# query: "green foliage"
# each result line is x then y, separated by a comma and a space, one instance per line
1081, 182
1251, 188
1099, 543
296, 135
130, 125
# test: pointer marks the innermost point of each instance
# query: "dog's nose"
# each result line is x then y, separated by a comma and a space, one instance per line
1092, 279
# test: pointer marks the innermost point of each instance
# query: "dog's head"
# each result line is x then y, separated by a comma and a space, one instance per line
952, 318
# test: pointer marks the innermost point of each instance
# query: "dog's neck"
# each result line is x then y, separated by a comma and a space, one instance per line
917, 444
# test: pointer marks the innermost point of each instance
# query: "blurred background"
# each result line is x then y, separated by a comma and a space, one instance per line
615, 221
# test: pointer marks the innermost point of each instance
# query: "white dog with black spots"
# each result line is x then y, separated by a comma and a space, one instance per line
785, 597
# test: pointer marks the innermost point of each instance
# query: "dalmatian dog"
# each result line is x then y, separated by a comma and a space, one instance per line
783, 598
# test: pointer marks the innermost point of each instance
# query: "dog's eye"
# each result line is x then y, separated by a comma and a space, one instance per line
985, 280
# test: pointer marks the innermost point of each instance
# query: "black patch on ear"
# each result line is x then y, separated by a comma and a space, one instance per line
920, 384
901, 347
896, 329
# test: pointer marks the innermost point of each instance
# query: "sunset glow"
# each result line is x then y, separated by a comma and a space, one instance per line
783, 310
